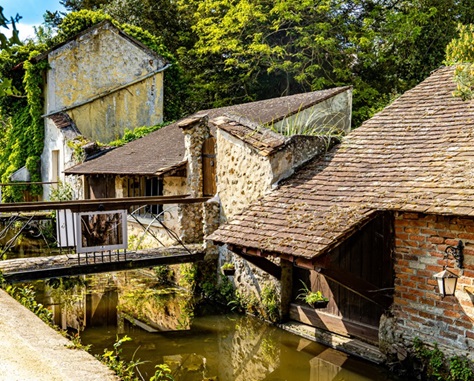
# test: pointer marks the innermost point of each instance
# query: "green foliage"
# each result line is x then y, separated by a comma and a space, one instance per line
76, 343
136, 133
228, 266
125, 370
310, 297
162, 373
7, 42
61, 192
26, 296
164, 274
77, 145
460, 52
270, 303
262, 49
23, 141
187, 275
437, 367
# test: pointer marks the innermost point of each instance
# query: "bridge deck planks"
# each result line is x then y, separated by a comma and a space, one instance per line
26, 269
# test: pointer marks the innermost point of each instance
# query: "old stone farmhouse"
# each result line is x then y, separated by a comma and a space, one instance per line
369, 223
208, 153
99, 83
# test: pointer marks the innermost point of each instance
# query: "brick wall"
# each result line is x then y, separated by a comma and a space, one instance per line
419, 310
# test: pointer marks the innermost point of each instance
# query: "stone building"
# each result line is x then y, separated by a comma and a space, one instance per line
205, 155
99, 83
369, 224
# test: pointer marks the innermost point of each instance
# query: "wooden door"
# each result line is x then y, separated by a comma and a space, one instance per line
101, 186
358, 279
209, 167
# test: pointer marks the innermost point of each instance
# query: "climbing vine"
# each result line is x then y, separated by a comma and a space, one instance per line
23, 142
21, 124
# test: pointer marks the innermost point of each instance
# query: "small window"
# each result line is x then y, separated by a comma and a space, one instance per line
146, 186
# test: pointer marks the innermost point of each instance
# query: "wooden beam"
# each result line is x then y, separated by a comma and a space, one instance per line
92, 268
333, 323
261, 262
98, 204
357, 285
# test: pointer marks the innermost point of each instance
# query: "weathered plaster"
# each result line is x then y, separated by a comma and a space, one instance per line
105, 119
106, 82
173, 185
56, 139
96, 62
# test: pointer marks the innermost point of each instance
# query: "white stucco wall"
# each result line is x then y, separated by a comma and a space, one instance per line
55, 139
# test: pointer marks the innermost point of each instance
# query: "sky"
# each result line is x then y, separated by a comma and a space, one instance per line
32, 12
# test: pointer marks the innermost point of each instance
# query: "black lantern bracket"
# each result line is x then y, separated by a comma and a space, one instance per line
456, 252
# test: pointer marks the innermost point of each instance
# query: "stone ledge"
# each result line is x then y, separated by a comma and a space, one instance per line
31, 350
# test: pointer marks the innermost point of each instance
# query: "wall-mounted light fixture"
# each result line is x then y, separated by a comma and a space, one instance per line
456, 252
447, 280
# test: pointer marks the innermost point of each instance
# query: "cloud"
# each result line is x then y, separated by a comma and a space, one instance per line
26, 31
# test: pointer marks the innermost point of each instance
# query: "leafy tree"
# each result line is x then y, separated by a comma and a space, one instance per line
460, 52
258, 49
161, 18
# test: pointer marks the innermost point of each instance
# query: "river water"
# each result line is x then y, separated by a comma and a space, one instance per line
197, 342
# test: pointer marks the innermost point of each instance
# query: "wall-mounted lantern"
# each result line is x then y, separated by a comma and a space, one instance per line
446, 282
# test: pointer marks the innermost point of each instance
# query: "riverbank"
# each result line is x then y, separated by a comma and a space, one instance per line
31, 350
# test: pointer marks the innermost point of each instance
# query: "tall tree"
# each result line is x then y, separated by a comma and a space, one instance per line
264, 48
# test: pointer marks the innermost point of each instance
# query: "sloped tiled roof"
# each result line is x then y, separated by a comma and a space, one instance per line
416, 155
62, 120
164, 149
261, 138
158, 152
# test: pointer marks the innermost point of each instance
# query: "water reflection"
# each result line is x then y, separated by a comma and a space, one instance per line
197, 343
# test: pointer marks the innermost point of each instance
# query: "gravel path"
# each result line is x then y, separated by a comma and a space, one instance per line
31, 350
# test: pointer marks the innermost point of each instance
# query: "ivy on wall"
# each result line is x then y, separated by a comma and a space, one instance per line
22, 127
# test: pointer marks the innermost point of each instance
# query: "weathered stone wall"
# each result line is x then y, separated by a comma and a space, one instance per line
418, 309
242, 174
190, 216
211, 219
297, 151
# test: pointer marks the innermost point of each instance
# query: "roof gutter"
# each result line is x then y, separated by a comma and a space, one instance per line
108, 92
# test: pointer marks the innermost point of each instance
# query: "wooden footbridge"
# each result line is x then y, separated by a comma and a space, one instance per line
95, 261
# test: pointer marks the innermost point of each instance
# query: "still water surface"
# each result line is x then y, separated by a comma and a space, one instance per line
197, 343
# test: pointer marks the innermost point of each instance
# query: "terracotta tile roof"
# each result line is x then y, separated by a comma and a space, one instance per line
261, 138
62, 120
163, 150
158, 152
275, 109
416, 155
